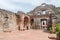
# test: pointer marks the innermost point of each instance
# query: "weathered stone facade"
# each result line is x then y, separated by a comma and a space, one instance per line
41, 17
10, 21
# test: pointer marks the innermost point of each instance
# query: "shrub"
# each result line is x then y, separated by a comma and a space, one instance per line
58, 30
58, 34
58, 27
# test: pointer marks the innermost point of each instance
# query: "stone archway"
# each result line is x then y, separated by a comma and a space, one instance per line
27, 22
32, 21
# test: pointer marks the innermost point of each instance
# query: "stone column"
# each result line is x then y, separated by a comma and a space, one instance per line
22, 23
28, 23
53, 25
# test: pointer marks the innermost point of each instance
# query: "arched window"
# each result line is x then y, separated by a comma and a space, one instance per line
44, 4
38, 13
44, 12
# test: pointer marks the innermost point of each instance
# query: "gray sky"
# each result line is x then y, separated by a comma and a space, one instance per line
25, 5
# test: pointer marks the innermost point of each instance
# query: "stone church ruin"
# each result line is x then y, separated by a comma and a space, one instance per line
42, 17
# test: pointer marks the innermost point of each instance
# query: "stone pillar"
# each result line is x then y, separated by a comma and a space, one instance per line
53, 25
28, 23
22, 23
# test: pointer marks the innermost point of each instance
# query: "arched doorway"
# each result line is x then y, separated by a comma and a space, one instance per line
26, 20
43, 23
32, 23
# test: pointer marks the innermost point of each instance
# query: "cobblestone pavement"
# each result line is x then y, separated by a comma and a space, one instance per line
25, 35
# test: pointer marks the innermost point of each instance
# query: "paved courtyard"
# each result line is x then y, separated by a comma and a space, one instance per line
25, 35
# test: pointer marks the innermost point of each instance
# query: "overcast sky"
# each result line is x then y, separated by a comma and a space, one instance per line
25, 5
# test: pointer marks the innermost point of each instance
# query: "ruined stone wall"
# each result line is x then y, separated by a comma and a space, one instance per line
7, 21
23, 23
